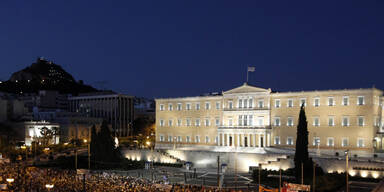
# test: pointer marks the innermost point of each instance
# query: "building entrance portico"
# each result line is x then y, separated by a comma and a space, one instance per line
244, 137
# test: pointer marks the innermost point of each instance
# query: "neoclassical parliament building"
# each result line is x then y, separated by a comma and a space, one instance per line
250, 119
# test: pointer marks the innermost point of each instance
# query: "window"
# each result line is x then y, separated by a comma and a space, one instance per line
240, 103
245, 103
316, 141
360, 142
161, 123
188, 139
250, 120
217, 121
161, 138
170, 107
261, 121
179, 106
188, 106
240, 123
360, 121
290, 103
245, 120
330, 142
207, 106
316, 121
216, 139
344, 142
207, 123
289, 141
230, 104
170, 122
261, 104
360, 100
290, 122
316, 102
377, 121
331, 101
197, 122
250, 103
169, 138
277, 140
197, 139
345, 122
179, 122
303, 101
277, 121
277, 103
217, 105
230, 123
161, 107
345, 100
206, 139
197, 106
331, 121
179, 139
188, 122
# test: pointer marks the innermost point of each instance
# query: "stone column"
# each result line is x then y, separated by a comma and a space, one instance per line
227, 139
238, 140
259, 140
264, 138
248, 140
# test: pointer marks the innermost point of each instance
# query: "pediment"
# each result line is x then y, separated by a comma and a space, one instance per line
245, 88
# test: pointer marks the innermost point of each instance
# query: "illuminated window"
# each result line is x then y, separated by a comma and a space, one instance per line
217, 121
277, 121
161, 122
360, 121
197, 139
170, 107
161, 107
316, 102
277, 140
345, 122
197, 106
207, 123
360, 142
344, 142
316, 121
261, 104
179, 139
240, 120
331, 121
179, 107
188, 106
188, 139
206, 139
207, 105
250, 103
170, 122
290, 121
316, 141
290, 103
217, 105
169, 138
331, 101
179, 122
360, 100
277, 103
330, 142
197, 122
240, 103
345, 100
161, 138
289, 141
230, 104
188, 122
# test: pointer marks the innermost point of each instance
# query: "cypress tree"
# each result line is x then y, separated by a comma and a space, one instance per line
94, 144
301, 153
106, 153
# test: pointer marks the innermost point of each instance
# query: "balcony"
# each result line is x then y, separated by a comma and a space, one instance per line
246, 127
247, 109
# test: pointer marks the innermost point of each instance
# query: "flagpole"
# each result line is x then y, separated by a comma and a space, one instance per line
247, 75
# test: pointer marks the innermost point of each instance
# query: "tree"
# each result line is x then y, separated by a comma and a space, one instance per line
301, 153
94, 144
46, 135
105, 152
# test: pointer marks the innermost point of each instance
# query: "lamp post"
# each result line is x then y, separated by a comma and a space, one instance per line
346, 169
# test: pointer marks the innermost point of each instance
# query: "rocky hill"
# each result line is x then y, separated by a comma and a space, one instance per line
44, 75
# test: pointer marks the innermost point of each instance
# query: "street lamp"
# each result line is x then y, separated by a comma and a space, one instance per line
10, 180
346, 168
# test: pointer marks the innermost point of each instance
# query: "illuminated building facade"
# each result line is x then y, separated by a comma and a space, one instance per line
250, 119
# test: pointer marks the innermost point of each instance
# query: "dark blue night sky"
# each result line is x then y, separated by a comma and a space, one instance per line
186, 48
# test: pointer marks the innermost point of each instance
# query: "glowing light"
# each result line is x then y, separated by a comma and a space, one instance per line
330, 171
85, 140
46, 149
364, 173
352, 173
10, 180
340, 171
375, 175
49, 186
148, 143
65, 143
23, 147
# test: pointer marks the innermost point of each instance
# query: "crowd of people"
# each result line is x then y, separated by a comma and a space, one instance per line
33, 179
